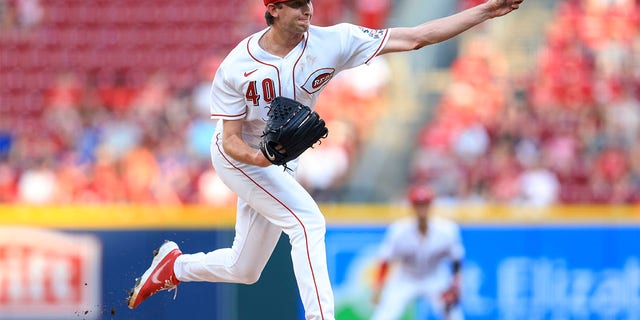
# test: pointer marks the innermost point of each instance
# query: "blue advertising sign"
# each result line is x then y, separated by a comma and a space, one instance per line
511, 272
48, 274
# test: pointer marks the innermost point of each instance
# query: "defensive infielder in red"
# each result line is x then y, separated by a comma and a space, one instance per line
294, 59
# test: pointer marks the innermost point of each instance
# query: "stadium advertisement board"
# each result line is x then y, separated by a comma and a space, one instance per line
78, 262
512, 271
49, 275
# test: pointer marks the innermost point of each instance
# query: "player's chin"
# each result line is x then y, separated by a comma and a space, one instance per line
304, 24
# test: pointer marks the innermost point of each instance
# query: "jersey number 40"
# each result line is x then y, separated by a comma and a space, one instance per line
267, 88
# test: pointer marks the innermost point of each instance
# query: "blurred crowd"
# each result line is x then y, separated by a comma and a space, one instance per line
20, 14
99, 129
567, 132
103, 121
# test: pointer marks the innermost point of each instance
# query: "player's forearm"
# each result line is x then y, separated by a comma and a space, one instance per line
237, 148
240, 151
435, 31
445, 28
456, 266
456, 269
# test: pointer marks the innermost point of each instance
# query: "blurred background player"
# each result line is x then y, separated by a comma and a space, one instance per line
425, 254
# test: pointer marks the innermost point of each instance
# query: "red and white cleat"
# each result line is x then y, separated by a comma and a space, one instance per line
158, 277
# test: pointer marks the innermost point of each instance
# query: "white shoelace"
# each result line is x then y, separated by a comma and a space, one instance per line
169, 286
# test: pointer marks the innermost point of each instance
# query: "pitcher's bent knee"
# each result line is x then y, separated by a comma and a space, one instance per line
246, 275
317, 224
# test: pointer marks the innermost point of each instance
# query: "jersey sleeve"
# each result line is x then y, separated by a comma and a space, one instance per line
360, 44
387, 251
456, 250
226, 102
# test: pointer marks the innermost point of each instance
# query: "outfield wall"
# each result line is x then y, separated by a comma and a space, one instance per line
78, 262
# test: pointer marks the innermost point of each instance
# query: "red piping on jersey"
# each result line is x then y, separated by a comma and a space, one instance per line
228, 115
266, 64
304, 230
293, 72
386, 34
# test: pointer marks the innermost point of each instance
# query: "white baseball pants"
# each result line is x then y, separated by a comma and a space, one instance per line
270, 201
401, 289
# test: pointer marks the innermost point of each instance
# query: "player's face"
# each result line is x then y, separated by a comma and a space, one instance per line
296, 14
421, 210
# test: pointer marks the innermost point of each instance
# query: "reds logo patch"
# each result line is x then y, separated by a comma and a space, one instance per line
318, 79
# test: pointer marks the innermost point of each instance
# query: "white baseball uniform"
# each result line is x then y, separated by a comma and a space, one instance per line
422, 265
270, 199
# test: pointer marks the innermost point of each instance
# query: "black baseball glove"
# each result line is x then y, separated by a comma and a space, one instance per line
291, 129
